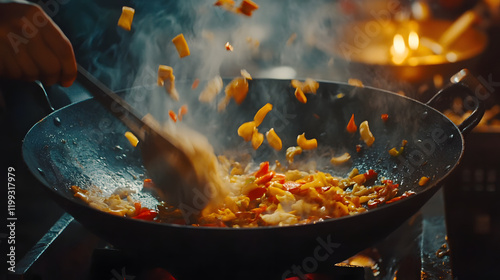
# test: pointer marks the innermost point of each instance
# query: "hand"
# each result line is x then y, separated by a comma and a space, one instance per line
33, 47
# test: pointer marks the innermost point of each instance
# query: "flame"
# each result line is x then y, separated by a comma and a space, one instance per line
399, 51
399, 44
413, 40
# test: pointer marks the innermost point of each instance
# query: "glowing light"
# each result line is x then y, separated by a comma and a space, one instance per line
399, 44
413, 40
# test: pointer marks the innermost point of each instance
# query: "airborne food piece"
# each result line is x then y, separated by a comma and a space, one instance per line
236, 89
247, 7
355, 82
291, 152
245, 74
228, 47
274, 140
261, 114
306, 144
211, 90
166, 78
246, 130
351, 126
301, 97
308, 86
340, 159
181, 45
125, 20
257, 139
366, 134
131, 138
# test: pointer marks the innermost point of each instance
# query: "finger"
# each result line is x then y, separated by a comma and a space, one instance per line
59, 44
28, 67
46, 61
11, 68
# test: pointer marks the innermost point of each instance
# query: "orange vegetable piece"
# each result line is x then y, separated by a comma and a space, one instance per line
301, 97
247, 7
351, 126
384, 117
274, 140
257, 139
423, 181
126, 18
131, 138
181, 45
182, 111
228, 47
224, 2
261, 114
166, 78
172, 115
237, 89
246, 130
195, 84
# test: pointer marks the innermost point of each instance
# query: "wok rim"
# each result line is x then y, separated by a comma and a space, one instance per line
432, 187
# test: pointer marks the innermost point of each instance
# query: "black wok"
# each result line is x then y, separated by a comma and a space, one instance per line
83, 144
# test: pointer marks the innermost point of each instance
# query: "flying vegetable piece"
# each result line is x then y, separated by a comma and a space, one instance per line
182, 111
257, 139
126, 18
351, 126
306, 144
172, 115
166, 78
261, 114
181, 45
366, 134
211, 90
247, 7
236, 89
274, 140
291, 152
301, 97
131, 138
246, 130
245, 74
228, 47
355, 82
340, 159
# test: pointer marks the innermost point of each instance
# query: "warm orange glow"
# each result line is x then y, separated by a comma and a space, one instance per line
399, 44
398, 50
413, 40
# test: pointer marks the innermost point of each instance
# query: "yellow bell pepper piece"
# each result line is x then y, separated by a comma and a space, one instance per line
181, 45
125, 20
274, 140
246, 130
306, 144
261, 114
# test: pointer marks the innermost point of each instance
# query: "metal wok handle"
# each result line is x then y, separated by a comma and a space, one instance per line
476, 91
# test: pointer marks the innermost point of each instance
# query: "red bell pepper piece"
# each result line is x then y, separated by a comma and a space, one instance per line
147, 215
264, 169
256, 193
264, 178
292, 186
370, 174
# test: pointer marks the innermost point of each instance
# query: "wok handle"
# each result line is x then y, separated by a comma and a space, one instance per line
477, 93
113, 102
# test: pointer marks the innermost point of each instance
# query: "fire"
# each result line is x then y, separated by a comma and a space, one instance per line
398, 50
413, 40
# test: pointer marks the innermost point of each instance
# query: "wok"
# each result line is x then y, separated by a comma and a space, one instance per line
83, 144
